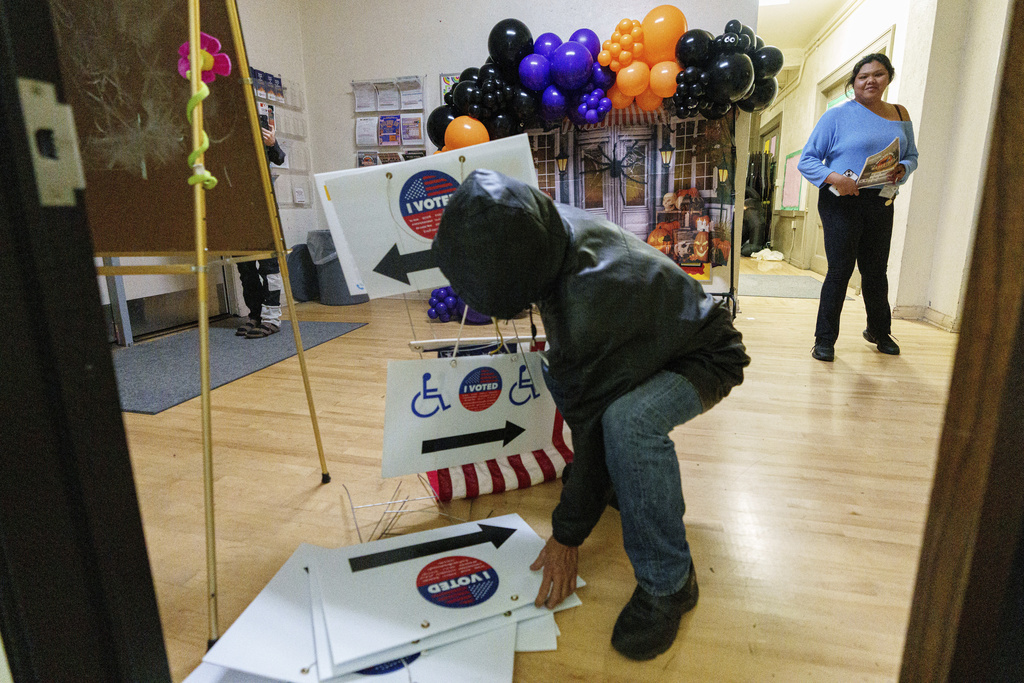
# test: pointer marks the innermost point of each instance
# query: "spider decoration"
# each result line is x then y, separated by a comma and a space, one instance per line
616, 167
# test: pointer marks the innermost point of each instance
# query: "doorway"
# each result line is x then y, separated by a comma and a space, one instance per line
614, 177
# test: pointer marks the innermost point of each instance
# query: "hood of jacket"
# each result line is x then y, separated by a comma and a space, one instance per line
501, 243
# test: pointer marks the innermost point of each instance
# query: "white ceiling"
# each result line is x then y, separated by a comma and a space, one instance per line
793, 25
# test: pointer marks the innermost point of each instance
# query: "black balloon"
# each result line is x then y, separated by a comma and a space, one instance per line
734, 26
508, 43
768, 62
731, 76
758, 43
437, 124
696, 89
487, 72
744, 42
465, 94
475, 110
694, 47
717, 110
750, 90
501, 126
764, 94
749, 32
469, 74
691, 74
448, 97
523, 105
730, 42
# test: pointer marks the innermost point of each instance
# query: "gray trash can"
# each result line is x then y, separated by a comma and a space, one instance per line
330, 276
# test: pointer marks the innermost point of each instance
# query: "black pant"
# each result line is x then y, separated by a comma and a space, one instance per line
255, 291
858, 231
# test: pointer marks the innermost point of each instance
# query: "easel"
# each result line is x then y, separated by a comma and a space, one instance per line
203, 264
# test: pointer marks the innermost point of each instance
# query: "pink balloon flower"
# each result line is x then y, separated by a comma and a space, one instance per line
213, 62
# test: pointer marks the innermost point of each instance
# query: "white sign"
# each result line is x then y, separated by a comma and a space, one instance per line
388, 215
446, 412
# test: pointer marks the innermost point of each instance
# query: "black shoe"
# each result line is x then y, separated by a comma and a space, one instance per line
824, 351
884, 344
648, 624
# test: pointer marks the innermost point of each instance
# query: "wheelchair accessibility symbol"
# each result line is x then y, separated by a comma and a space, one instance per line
525, 386
425, 396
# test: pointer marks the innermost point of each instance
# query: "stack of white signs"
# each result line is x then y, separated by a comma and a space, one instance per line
447, 605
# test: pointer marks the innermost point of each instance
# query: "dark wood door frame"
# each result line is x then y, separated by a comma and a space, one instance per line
967, 615
77, 601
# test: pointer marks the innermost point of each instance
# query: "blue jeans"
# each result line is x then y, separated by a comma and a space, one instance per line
644, 469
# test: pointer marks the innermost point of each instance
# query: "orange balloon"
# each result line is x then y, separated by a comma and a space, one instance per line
625, 26
648, 100
604, 58
606, 45
619, 101
631, 80
615, 66
626, 41
638, 50
625, 58
637, 23
463, 132
615, 51
616, 37
663, 78
663, 27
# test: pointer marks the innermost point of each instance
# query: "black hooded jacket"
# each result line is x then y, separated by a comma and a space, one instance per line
615, 311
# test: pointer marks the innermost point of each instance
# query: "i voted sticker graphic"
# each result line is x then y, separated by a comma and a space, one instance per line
480, 389
457, 581
422, 201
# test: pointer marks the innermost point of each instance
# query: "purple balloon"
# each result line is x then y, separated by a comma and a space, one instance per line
431, 313
602, 76
604, 106
546, 44
552, 103
535, 72
592, 101
577, 118
582, 109
592, 116
599, 92
587, 39
571, 66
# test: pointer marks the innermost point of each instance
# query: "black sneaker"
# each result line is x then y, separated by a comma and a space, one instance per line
824, 351
648, 624
884, 344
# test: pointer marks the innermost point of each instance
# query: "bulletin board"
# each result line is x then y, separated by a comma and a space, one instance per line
119, 60
792, 183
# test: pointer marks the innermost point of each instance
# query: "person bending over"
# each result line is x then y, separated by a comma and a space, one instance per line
635, 347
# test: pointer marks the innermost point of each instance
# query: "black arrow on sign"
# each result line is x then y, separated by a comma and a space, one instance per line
487, 534
505, 435
398, 266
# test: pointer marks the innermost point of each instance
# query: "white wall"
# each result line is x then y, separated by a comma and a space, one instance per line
273, 41
959, 103
367, 39
946, 60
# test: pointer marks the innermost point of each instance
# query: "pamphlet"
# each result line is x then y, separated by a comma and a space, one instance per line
879, 165
877, 168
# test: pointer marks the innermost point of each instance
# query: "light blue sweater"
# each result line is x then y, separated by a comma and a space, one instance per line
846, 135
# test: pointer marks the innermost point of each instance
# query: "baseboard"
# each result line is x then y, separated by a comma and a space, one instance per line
928, 315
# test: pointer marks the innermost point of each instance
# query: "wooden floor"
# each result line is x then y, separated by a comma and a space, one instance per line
806, 494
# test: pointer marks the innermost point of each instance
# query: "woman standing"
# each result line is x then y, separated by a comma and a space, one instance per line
857, 221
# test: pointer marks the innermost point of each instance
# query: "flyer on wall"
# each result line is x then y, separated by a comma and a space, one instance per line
411, 89
412, 129
389, 130
388, 96
366, 131
366, 96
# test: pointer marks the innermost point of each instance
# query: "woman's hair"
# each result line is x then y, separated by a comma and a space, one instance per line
867, 59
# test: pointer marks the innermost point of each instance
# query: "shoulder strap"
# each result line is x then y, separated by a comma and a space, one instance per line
899, 112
